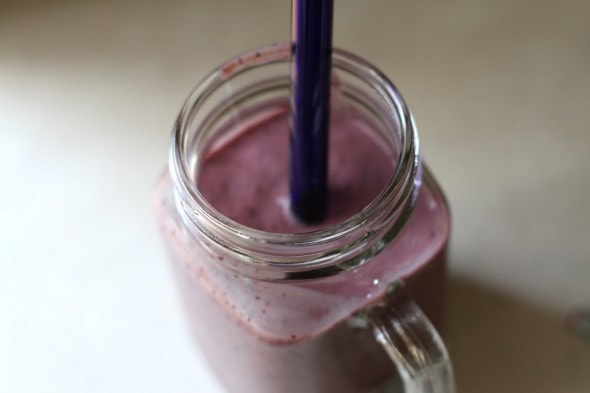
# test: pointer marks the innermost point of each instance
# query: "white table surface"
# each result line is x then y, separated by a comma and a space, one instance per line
89, 91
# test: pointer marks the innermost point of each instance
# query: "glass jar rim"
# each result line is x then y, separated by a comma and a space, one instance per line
319, 252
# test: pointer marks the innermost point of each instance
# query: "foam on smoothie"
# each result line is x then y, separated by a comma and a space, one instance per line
247, 177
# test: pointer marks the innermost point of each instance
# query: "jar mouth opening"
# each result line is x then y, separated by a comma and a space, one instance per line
318, 251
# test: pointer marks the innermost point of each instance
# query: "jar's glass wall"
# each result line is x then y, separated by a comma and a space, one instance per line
265, 335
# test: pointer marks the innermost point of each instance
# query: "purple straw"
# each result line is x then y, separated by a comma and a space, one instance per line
310, 107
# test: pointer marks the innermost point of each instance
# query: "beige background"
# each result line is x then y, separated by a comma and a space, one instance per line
88, 93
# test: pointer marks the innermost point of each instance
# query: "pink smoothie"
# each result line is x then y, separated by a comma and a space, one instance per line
269, 337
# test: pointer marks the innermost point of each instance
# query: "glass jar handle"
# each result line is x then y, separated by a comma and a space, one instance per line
413, 344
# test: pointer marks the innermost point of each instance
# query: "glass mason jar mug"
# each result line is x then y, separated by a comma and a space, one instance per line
276, 306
